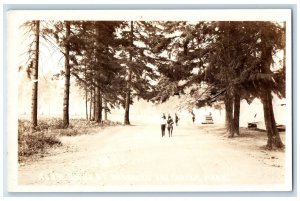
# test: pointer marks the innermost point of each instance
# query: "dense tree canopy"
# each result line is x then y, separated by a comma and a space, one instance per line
209, 61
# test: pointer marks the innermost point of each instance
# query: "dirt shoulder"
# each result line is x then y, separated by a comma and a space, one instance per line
138, 155
251, 142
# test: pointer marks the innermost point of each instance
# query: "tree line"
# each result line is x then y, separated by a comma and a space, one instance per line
115, 61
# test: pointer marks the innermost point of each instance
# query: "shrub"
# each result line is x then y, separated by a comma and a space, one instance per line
45, 135
68, 132
34, 142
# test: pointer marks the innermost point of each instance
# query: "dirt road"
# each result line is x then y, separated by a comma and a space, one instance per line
138, 155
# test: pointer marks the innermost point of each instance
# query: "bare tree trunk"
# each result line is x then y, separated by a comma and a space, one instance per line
67, 78
86, 104
86, 94
35, 66
94, 104
266, 98
97, 104
229, 115
91, 103
284, 50
105, 108
127, 105
229, 101
236, 116
100, 107
272, 132
128, 92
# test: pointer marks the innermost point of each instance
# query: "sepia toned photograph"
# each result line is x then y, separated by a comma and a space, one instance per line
149, 100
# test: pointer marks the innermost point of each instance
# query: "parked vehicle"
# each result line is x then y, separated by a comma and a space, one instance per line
280, 127
252, 125
208, 119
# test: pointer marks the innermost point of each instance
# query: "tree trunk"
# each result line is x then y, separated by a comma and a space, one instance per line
67, 78
129, 72
97, 104
236, 116
86, 93
266, 98
91, 104
94, 104
127, 105
229, 115
272, 132
284, 39
105, 109
228, 97
86, 104
100, 106
35, 70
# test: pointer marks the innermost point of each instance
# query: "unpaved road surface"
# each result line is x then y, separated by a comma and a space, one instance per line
138, 155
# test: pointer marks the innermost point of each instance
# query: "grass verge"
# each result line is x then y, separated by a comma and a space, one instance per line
46, 135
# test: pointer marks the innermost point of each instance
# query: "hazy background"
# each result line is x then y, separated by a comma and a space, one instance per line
50, 104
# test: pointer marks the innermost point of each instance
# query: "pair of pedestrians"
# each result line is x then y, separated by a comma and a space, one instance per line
166, 122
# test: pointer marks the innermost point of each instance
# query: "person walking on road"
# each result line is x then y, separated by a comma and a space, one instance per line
170, 125
163, 125
193, 118
176, 119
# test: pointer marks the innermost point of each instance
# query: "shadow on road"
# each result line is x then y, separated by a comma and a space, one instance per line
180, 135
131, 125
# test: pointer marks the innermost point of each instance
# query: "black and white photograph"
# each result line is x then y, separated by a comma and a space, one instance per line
149, 100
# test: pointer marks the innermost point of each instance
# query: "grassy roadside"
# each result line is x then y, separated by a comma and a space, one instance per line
47, 133
254, 139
